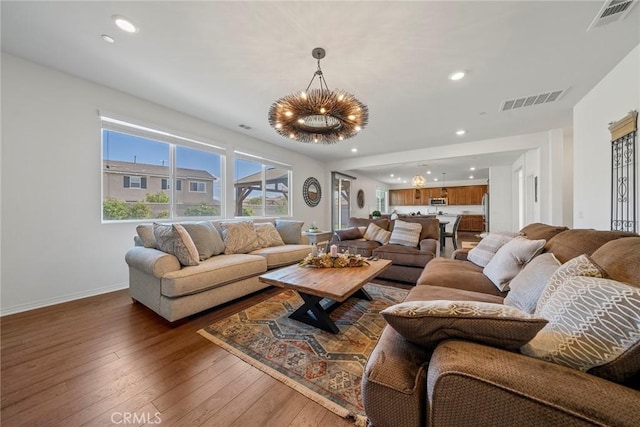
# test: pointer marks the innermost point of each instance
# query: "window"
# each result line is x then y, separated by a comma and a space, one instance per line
381, 200
261, 187
148, 161
197, 186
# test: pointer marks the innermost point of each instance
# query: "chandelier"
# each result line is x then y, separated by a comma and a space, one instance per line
418, 181
318, 115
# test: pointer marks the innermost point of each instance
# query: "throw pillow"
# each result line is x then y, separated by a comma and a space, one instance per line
205, 237
511, 259
268, 235
377, 234
239, 237
348, 234
426, 323
578, 266
289, 230
405, 233
527, 286
174, 239
145, 232
487, 248
592, 322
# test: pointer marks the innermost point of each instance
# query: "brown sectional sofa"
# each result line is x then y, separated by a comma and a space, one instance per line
408, 262
461, 383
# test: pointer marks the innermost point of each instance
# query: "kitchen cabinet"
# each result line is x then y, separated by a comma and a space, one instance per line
406, 197
474, 223
464, 195
467, 195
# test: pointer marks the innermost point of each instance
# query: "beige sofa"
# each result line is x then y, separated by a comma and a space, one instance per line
174, 291
459, 382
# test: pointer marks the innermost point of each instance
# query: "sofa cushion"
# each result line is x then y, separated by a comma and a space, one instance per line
404, 255
290, 230
511, 259
267, 235
364, 222
360, 246
239, 237
277, 256
620, 258
145, 233
571, 243
453, 273
432, 293
527, 286
174, 239
592, 322
373, 232
348, 234
537, 231
486, 248
212, 273
426, 323
405, 234
206, 238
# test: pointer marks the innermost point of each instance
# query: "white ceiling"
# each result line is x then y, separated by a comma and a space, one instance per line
226, 62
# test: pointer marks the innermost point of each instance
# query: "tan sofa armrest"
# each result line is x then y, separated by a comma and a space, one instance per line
513, 389
460, 254
151, 261
429, 245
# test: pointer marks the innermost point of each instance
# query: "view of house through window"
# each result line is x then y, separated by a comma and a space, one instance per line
138, 173
261, 189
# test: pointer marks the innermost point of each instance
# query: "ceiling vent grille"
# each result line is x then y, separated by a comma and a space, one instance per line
612, 11
529, 101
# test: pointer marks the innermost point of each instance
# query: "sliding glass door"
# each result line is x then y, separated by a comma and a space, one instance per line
341, 200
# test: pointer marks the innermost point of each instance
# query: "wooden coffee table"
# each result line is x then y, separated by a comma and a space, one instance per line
316, 284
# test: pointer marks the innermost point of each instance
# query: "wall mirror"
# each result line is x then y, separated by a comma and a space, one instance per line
311, 191
360, 199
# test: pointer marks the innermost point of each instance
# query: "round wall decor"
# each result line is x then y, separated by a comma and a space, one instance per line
311, 191
360, 199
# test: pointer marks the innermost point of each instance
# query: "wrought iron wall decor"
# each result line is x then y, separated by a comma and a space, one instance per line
624, 169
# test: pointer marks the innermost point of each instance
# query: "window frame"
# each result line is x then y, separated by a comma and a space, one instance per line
204, 186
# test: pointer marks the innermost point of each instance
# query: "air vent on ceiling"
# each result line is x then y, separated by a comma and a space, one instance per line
612, 11
529, 101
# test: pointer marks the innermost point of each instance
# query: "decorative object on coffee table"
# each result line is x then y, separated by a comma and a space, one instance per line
324, 367
311, 192
328, 261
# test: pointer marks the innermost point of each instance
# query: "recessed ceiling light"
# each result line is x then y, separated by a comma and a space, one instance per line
435, 179
399, 179
457, 75
391, 175
124, 24
461, 132
472, 168
108, 39
404, 182
470, 176
354, 150
428, 172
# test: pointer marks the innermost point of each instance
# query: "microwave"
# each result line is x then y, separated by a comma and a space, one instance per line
438, 201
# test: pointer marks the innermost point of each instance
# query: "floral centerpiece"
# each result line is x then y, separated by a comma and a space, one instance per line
327, 261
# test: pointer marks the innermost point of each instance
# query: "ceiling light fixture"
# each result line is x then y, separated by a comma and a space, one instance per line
472, 168
470, 176
418, 181
461, 132
108, 39
457, 75
318, 115
124, 24
354, 150
444, 192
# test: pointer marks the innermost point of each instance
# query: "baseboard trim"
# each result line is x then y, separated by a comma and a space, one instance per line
61, 299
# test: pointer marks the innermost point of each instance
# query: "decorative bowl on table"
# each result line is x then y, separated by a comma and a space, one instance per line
327, 261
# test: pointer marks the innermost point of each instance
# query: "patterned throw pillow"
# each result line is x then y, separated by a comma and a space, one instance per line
426, 323
511, 259
527, 286
174, 239
373, 232
487, 248
405, 234
239, 237
206, 238
592, 322
267, 235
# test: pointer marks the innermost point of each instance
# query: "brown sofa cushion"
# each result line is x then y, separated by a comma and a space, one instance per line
620, 258
404, 255
362, 247
571, 243
364, 222
426, 323
537, 231
432, 293
348, 234
453, 273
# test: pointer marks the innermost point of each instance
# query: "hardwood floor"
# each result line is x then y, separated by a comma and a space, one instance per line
105, 361
96, 360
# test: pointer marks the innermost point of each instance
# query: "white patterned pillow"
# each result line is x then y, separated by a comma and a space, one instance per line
405, 233
426, 323
592, 321
578, 266
375, 233
174, 239
239, 237
487, 248
267, 235
511, 259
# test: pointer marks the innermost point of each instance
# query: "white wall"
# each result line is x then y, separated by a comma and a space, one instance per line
500, 199
54, 246
368, 186
610, 100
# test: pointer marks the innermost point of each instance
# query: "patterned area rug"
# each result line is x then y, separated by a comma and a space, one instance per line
326, 368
